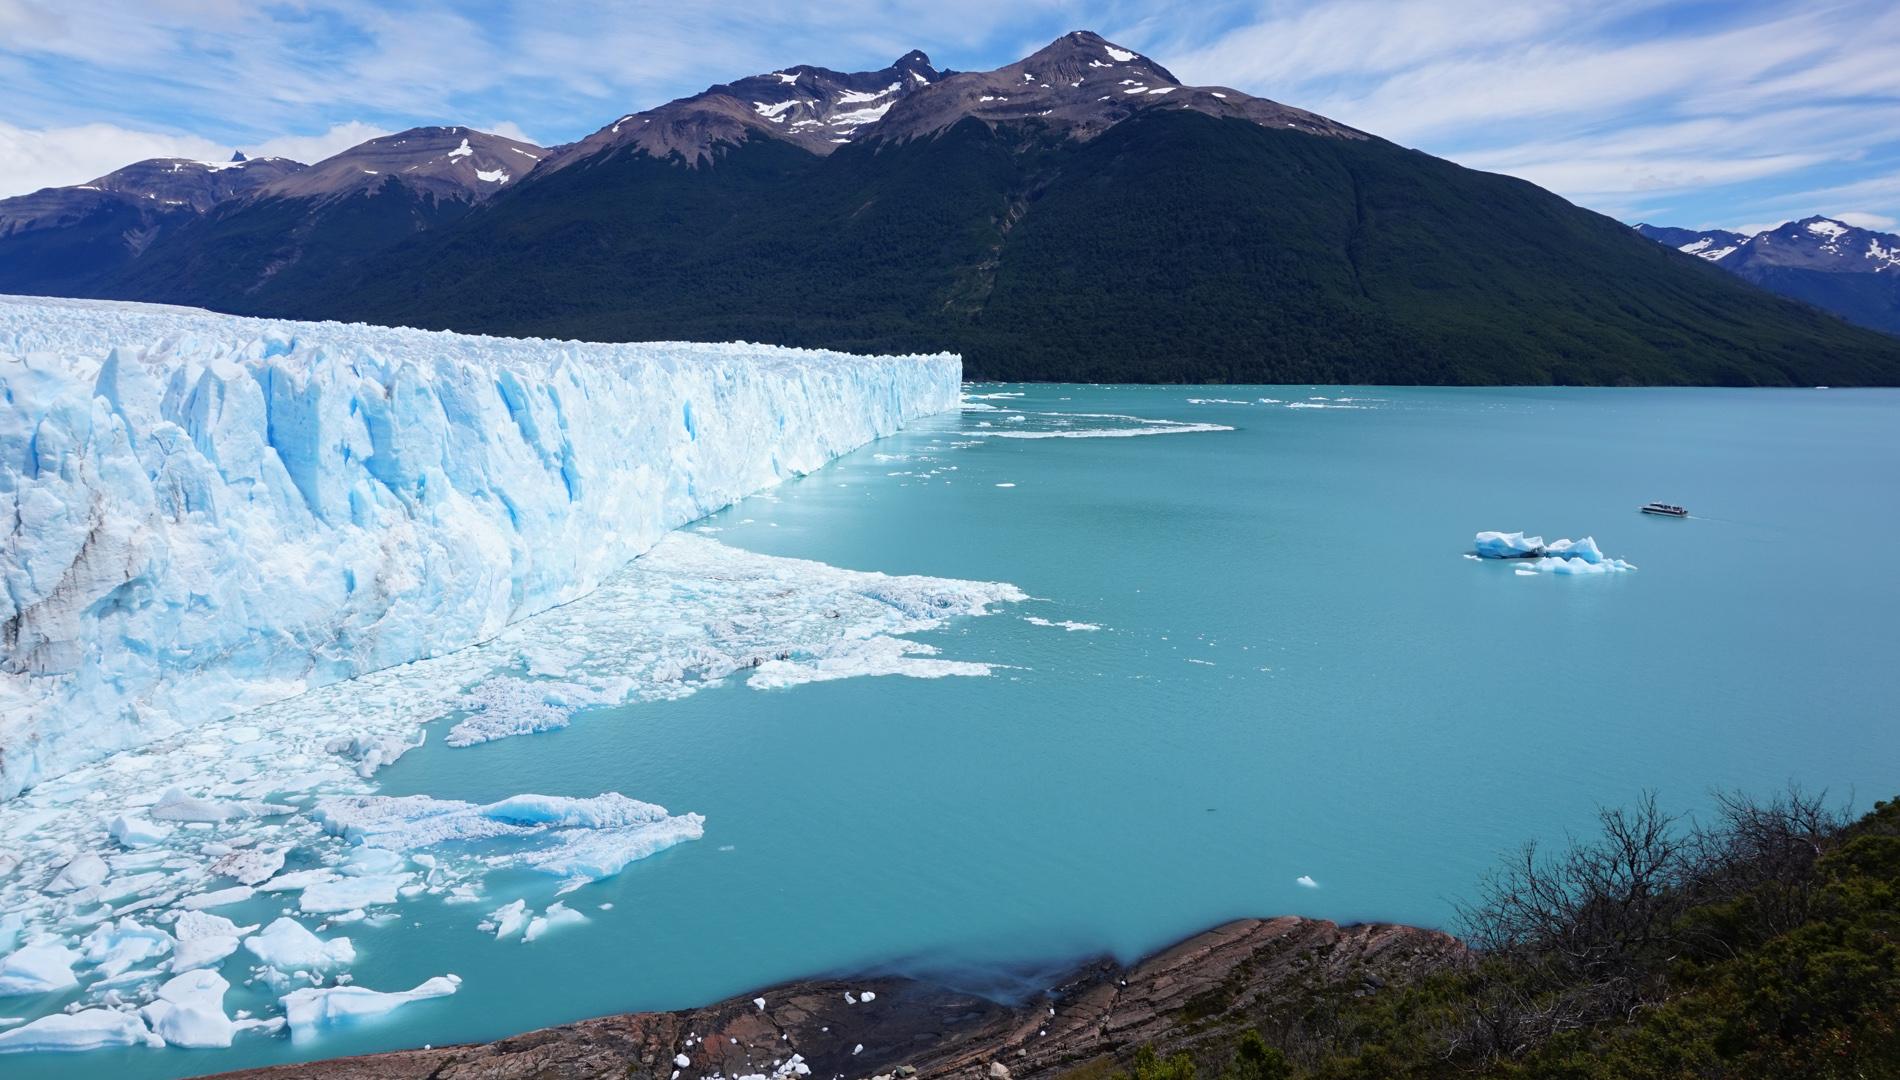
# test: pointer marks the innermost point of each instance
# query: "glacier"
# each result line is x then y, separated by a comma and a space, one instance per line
207, 513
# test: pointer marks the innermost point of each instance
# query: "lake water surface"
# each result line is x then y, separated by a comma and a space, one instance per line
1294, 672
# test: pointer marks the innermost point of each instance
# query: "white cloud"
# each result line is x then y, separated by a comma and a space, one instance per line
31, 158
1606, 102
1611, 103
1860, 219
310, 149
508, 129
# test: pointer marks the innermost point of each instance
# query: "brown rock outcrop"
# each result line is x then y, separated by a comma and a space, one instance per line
916, 1029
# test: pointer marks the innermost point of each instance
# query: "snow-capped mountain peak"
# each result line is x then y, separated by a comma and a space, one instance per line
1714, 245
1824, 261
812, 107
1082, 83
1827, 244
458, 163
144, 191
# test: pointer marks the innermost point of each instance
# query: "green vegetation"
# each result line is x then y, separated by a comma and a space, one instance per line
1761, 946
1174, 247
259, 258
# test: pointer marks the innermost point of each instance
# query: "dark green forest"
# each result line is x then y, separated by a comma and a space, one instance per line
1175, 247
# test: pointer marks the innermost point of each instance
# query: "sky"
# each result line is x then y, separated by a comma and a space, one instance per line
1734, 114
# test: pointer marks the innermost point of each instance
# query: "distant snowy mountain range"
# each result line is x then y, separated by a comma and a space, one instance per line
1850, 271
1009, 215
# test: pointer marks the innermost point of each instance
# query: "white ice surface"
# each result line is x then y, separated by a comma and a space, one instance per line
288, 946
1535, 555
279, 811
205, 513
312, 1009
88, 1029
1060, 425
189, 1011
37, 969
557, 916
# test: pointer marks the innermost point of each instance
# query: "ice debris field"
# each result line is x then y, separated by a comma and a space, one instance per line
457, 515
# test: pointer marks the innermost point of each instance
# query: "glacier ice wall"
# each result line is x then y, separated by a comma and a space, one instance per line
202, 513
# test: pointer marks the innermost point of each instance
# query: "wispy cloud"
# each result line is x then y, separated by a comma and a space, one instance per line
31, 159
1704, 114
1691, 112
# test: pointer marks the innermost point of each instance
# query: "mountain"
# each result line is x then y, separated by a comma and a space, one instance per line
814, 108
1081, 85
279, 238
1850, 271
1080, 214
452, 164
1713, 245
59, 238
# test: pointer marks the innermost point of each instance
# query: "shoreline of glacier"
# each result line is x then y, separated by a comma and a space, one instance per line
209, 513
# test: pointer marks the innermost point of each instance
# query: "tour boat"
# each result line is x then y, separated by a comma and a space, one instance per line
1665, 509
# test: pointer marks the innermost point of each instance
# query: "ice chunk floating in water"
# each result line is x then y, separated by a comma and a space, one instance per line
310, 1010
165, 473
1065, 425
275, 802
577, 839
88, 1029
1554, 557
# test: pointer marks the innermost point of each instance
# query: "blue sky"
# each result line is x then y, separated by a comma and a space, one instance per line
1733, 114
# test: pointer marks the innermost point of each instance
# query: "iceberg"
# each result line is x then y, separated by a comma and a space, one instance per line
1060, 425
288, 945
88, 1029
237, 894
37, 969
117, 949
509, 919
577, 839
1503, 545
165, 473
1549, 557
249, 866
352, 893
202, 952
134, 832
312, 1009
557, 916
83, 872
189, 1011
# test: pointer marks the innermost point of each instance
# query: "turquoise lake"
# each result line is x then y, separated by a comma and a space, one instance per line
1296, 673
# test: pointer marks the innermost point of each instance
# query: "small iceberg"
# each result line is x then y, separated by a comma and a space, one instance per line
189, 1011
1549, 557
38, 969
312, 1009
288, 946
87, 1029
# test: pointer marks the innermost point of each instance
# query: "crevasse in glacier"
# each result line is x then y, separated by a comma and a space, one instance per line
204, 513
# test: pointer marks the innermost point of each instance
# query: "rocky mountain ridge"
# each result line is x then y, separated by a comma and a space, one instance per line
1851, 271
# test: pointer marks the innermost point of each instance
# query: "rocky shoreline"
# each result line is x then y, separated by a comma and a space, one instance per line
898, 1029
